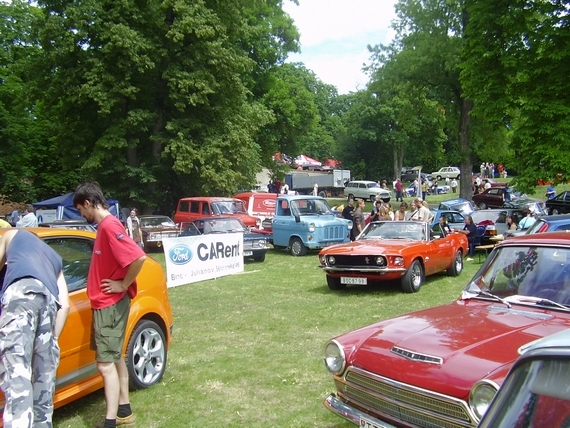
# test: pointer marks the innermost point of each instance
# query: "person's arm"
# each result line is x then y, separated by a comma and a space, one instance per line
121, 285
63, 311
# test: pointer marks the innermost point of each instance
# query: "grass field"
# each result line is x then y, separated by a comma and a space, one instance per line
247, 349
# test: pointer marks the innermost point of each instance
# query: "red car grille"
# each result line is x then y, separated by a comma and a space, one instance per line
357, 261
403, 402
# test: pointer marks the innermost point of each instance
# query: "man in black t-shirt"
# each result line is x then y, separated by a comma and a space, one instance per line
347, 213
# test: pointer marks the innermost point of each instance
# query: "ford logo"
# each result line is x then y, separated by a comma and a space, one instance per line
180, 254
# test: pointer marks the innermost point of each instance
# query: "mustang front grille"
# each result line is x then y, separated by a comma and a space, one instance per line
354, 261
403, 402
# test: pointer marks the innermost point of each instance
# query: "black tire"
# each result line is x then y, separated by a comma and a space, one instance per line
555, 211
323, 194
457, 266
414, 278
334, 283
439, 177
386, 200
350, 196
259, 258
482, 206
146, 355
297, 247
458, 177
372, 198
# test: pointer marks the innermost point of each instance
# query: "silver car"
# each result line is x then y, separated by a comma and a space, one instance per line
368, 190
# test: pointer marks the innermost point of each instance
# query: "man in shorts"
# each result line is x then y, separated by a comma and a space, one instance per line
111, 284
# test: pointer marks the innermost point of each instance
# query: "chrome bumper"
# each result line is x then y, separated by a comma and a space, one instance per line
352, 415
364, 269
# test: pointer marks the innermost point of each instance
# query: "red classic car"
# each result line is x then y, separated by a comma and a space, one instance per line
394, 250
441, 367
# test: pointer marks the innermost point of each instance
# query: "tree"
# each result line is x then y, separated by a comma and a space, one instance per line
154, 99
516, 69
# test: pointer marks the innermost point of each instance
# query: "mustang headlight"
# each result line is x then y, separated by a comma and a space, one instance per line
331, 260
311, 227
334, 357
481, 396
380, 261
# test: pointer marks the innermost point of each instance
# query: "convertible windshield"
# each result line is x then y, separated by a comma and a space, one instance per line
395, 230
539, 272
310, 207
229, 207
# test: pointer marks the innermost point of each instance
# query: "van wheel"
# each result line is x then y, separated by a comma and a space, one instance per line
297, 247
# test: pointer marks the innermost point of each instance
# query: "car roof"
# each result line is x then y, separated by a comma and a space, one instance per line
54, 232
556, 218
215, 218
362, 181
153, 216
210, 198
560, 239
455, 201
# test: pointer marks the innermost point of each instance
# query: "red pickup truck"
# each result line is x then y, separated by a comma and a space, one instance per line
194, 208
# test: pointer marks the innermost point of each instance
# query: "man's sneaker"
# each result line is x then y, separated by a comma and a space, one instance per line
127, 420
468, 259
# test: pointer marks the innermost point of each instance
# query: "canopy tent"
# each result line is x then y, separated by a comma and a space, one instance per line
65, 209
303, 160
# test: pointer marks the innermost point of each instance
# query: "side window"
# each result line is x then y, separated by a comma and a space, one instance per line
205, 208
284, 209
76, 255
183, 206
362, 185
194, 207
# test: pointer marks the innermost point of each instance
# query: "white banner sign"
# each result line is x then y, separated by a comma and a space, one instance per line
196, 258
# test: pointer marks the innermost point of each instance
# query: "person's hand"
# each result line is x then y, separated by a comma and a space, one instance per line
110, 286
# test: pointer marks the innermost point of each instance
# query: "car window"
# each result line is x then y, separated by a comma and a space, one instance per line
194, 207
183, 206
76, 255
563, 227
205, 208
361, 186
456, 218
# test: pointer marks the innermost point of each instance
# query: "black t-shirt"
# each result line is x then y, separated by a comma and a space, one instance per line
347, 212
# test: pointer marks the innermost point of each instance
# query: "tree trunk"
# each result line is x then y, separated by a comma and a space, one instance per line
465, 190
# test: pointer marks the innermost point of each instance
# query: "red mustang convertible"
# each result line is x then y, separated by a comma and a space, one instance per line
394, 250
441, 367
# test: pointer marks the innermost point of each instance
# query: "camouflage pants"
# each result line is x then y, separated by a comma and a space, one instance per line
29, 354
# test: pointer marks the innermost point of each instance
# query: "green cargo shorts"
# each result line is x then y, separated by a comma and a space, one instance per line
108, 330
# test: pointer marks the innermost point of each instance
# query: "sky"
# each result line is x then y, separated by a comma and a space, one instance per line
334, 36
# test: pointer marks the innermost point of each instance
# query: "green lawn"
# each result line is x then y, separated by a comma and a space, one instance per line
247, 348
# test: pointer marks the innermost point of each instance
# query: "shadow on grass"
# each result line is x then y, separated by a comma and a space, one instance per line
376, 287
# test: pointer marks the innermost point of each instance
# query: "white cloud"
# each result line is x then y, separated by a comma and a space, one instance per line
335, 34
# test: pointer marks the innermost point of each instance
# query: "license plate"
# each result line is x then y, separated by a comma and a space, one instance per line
366, 423
351, 280
248, 253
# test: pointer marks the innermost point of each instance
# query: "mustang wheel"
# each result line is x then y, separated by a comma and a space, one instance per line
414, 278
146, 354
297, 247
457, 266
334, 283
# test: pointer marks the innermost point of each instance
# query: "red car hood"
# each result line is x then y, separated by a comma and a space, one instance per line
473, 338
376, 245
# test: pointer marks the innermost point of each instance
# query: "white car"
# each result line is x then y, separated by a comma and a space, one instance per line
368, 190
446, 172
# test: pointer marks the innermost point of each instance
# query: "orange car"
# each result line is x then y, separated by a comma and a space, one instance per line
407, 251
149, 330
